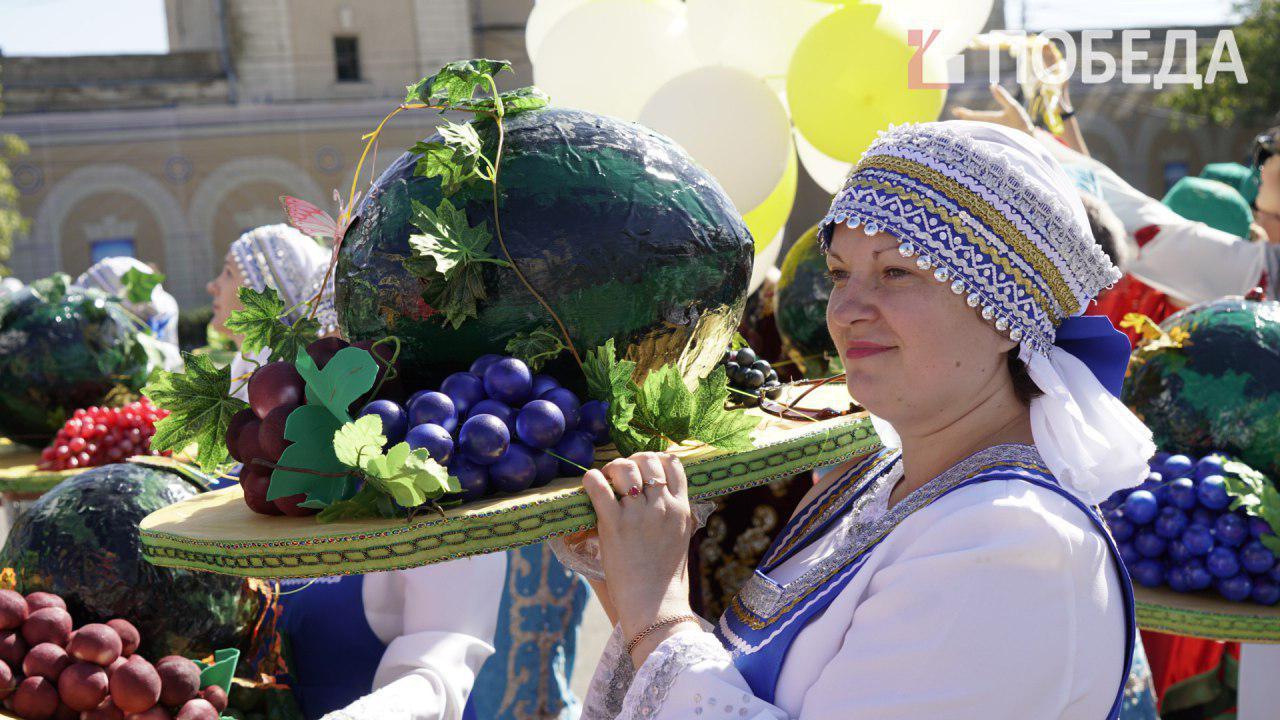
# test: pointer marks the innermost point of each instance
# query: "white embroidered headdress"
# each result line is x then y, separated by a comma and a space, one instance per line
997, 219
294, 265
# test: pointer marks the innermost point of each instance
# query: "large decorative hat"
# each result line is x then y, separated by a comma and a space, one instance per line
293, 264
997, 219
1212, 202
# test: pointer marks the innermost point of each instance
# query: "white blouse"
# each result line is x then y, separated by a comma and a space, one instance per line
438, 623
999, 600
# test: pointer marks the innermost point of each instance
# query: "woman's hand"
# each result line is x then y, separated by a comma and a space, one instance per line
645, 524
1011, 114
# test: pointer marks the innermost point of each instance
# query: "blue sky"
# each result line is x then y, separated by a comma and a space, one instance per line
91, 27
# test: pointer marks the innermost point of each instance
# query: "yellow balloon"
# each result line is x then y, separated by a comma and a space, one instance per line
848, 80
766, 219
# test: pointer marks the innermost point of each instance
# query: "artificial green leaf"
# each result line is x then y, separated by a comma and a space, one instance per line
448, 239
349, 374
667, 412
609, 380
310, 465
138, 285
1256, 494
456, 158
411, 477
362, 438
363, 505
536, 348
200, 407
738, 342
457, 300
262, 324
513, 102
456, 82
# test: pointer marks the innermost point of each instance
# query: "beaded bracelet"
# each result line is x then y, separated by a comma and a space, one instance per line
658, 626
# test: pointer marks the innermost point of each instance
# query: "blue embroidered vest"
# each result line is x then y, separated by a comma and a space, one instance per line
765, 617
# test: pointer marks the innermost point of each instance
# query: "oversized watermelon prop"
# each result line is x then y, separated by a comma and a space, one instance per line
80, 540
1220, 390
63, 347
801, 311
612, 223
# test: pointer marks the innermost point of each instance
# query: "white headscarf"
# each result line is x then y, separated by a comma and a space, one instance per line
998, 220
160, 312
282, 258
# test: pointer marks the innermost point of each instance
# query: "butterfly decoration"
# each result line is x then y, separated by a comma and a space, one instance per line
314, 222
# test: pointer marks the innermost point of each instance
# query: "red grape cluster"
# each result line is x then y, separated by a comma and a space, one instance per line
103, 435
50, 672
255, 435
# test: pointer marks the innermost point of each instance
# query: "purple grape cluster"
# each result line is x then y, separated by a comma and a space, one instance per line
498, 427
1177, 529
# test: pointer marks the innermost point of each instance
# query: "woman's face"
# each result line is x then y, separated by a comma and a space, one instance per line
225, 291
1268, 200
914, 352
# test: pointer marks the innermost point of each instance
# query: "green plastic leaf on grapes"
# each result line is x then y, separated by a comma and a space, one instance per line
262, 324
138, 285
1253, 492
666, 412
456, 82
536, 348
410, 477
363, 505
359, 440
348, 375
310, 465
200, 407
609, 380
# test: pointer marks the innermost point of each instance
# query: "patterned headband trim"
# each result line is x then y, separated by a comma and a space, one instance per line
264, 260
999, 238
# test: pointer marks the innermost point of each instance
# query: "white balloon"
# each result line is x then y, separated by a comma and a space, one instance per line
731, 123
828, 172
609, 56
766, 258
957, 20
758, 36
543, 17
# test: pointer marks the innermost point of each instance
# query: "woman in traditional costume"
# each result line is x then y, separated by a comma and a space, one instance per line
159, 311
962, 571
400, 645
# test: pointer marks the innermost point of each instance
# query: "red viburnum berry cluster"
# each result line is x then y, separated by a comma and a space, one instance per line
102, 435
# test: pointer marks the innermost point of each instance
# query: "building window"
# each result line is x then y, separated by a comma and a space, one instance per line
346, 57
111, 247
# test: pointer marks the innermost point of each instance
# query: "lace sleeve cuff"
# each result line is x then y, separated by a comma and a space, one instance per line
653, 681
610, 682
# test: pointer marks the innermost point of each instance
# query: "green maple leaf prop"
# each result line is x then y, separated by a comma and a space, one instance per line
662, 410
513, 102
448, 253
262, 325
537, 347
138, 285
1254, 492
456, 82
200, 408
359, 440
456, 158
409, 476
310, 466
367, 503
349, 374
